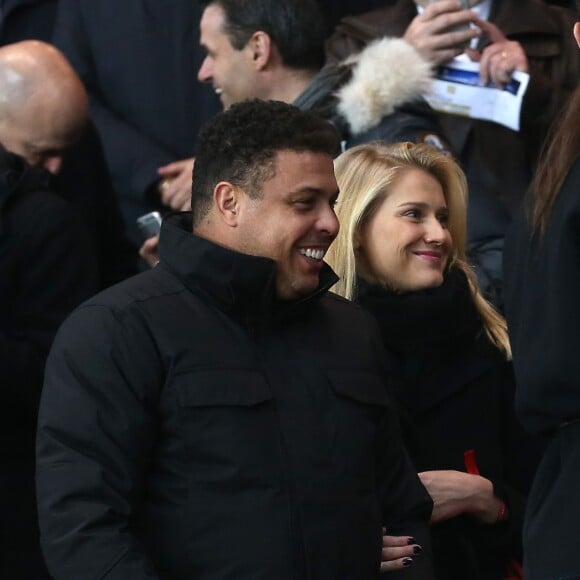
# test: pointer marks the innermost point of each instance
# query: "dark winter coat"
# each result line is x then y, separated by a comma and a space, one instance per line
83, 180
498, 162
456, 393
543, 285
27, 20
193, 427
138, 60
542, 288
46, 264
46, 267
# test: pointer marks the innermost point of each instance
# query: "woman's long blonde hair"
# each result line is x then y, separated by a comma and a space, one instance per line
365, 175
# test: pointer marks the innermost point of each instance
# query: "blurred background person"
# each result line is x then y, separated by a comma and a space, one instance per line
401, 254
47, 264
265, 50
542, 274
82, 177
524, 35
137, 59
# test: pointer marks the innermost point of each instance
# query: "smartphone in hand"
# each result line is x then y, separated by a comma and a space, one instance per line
150, 224
465, 5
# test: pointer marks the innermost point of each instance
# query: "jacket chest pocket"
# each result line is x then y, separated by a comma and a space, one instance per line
228, 425
361, 403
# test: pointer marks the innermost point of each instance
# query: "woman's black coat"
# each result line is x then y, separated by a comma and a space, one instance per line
456, 394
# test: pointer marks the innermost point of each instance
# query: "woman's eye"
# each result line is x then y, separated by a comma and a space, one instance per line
443, 219
413, 213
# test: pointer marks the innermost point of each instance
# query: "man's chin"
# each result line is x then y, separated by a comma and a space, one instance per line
297, 290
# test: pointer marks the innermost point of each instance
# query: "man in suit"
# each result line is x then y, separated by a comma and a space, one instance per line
136, 59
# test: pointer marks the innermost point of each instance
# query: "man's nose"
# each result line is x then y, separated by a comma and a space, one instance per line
204, 74
328, 222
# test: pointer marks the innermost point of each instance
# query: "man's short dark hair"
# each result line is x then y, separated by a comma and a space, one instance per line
240, 146
297, 27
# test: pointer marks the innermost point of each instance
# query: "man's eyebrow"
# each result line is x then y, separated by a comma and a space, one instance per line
312, 191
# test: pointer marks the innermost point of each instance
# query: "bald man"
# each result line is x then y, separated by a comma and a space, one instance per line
44, 119
47, 265
43, 104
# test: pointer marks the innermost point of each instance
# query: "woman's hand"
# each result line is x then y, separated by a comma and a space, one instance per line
455, 493
398, 552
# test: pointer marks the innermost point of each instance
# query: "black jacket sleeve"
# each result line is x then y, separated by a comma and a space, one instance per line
97, 428
406, 506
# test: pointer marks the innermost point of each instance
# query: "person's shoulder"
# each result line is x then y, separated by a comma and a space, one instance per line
125, 307
347, 312
335, 301
143, 288
563, 222
572, 183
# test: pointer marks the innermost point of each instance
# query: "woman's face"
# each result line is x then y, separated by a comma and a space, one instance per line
406, 244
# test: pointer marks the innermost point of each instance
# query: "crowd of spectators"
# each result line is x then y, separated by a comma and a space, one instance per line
101, 107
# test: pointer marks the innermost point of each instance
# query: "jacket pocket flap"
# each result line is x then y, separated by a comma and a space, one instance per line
222, 387
364, 387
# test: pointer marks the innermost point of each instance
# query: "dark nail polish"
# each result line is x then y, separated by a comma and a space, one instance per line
417, 550
407, 562
411, 541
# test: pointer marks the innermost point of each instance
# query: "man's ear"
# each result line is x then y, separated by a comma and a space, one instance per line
260, 46
227, 199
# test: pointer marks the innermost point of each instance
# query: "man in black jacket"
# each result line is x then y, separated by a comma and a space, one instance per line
222, 415
83, 179
47, 265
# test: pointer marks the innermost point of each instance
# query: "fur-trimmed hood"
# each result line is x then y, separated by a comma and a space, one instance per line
387, 74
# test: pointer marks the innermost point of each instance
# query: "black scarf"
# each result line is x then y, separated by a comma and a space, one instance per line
425, 321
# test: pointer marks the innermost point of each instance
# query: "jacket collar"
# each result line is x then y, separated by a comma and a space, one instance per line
244, 286
357, 94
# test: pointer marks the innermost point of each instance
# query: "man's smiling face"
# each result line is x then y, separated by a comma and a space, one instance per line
229, 70
292, 222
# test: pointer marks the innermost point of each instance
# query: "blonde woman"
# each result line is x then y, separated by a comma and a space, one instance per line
401, 254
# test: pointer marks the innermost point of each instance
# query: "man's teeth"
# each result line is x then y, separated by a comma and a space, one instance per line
218, 91
312, 253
